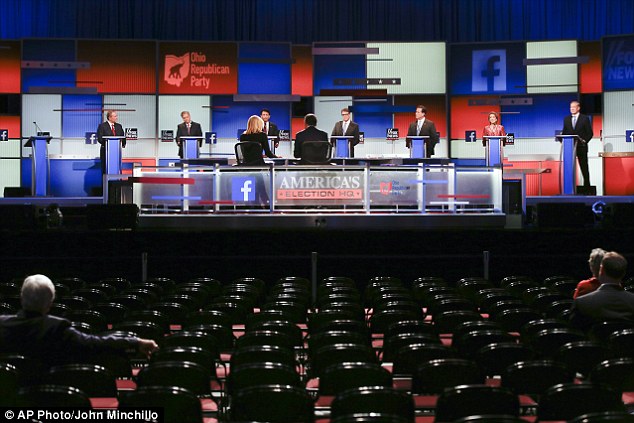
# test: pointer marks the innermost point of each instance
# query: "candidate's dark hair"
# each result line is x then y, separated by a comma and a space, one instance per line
422, 108
310, 119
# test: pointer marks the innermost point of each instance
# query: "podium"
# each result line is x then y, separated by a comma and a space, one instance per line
417, 148
191, 146
342, 146
272, 139
567, 169
113, 154
39, 164
494, 150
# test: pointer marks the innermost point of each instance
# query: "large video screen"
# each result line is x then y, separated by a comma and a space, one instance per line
395, 68
618, 63
492, 68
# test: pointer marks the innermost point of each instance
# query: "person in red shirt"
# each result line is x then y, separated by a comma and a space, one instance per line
589, 285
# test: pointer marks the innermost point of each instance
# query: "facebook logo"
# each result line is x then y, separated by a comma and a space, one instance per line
4, 135
629, 135
470, 136
211, 138
243, 189
91, 138
488, 70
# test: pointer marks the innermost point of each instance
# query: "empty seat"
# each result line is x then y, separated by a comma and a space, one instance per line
569, 400
434, 376
467, 400
373, 399
52, 396
179, 405
495, 358
582, 356
342, 376
409, 357
617, 373
534, 377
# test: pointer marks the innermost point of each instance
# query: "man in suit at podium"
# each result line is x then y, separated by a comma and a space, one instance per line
578, 124
107, 129
347, 127
186, 128
270, 129
423, 127
309, 133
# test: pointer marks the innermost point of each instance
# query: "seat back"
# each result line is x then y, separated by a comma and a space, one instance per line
467, 400
92, 379
435, 376
316, 152
179, 404
373, 399
249, 153
340, 377
535, 376
52, 396
569, 400
272, 403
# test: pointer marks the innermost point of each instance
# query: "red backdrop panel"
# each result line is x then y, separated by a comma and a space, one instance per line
12, 124
590, 80
10, 65
549, 181
118, 66
618, 175
465, 117
198, 68
297, 124
435, 112
302, 71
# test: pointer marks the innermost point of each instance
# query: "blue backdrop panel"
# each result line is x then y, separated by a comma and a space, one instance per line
542, 119
264, 68
48, 50
328, 68
68, 178
488, 68
227, 121
372, 118
618, 63
81, 114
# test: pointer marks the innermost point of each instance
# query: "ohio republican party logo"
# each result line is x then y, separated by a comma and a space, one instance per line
176, 69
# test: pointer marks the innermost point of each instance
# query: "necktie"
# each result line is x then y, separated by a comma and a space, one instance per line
418, 129
574, 122
345, 127
112, 127
189, 125
266, 128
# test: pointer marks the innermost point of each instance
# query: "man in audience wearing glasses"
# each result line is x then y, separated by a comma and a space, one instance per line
610, 302
34, 333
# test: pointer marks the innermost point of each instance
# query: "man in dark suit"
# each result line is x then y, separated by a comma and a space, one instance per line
346, 127
423, 127
578, 124
609, 302
32, 332
309, 133
187, 128
108, 128
270, 129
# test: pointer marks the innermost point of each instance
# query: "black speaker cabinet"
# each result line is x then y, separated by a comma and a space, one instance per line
18, 216
112, 216
564, 215
622, 215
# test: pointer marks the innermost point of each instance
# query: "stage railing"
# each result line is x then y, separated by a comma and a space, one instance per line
422, 188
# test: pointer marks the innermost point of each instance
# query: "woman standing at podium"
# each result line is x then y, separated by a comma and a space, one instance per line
494, 129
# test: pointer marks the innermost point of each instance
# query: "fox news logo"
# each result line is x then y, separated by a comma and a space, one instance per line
392, 133
488, 70
243, 189
131, 133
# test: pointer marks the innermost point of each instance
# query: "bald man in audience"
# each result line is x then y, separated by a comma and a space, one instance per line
610, 302
34, 333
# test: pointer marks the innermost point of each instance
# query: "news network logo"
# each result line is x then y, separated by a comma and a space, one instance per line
243, 189
4, 135
131, 133
391, 133
91, 138
488, 70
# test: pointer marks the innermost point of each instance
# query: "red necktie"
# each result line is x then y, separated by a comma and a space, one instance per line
113, 132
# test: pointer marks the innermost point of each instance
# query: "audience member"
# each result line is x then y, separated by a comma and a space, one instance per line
610, 302
586, 286
34, 333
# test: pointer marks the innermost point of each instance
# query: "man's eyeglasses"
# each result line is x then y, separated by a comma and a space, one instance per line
345, 114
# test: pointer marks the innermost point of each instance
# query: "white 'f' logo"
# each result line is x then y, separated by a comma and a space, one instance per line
245, 190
